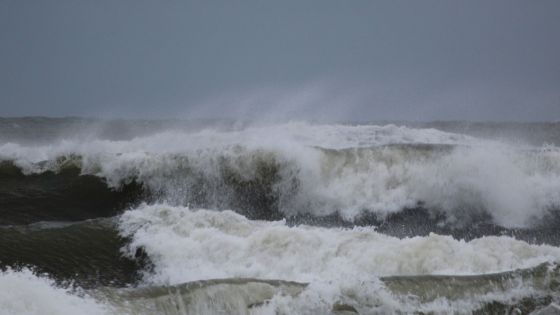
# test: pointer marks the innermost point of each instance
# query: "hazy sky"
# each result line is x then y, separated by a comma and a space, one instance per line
336, 60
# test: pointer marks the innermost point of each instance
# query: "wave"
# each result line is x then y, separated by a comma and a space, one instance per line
520, 291
186, 245
229, 296
356, 267
279, 219
97, 252
286, 171
61, 195
87, 253
157, 245
489, 293
353, 270
23, 292
164, 244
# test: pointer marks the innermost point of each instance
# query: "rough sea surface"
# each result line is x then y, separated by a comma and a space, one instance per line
220, 217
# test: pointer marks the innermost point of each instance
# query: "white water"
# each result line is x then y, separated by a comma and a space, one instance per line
188, 245
342, 265
337, 168
517, 186
23, 293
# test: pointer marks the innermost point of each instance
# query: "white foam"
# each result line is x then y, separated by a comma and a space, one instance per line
373, 298
513, 185
23, 293
342, 265
190, 245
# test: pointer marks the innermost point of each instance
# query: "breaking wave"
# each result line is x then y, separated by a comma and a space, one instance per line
23, 292
204, 262
282, 219
187, 245
294, 169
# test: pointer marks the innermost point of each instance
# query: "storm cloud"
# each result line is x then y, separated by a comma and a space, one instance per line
322, 60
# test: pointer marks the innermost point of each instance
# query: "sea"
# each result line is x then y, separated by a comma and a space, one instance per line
116, 216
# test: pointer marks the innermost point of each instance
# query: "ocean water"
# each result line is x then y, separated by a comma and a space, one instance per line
217, 217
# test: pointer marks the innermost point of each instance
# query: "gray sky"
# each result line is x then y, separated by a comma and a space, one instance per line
334, 60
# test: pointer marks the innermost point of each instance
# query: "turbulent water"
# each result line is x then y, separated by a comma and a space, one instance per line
213, 217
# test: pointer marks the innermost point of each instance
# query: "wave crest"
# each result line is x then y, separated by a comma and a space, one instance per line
377, 171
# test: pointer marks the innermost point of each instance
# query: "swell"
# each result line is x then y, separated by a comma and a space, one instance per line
450, 185
86, 253
205, 244
506, 186
61, 195
478, 294
486, 294
90, 253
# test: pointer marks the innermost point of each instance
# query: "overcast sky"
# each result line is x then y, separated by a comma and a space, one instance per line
333, 60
